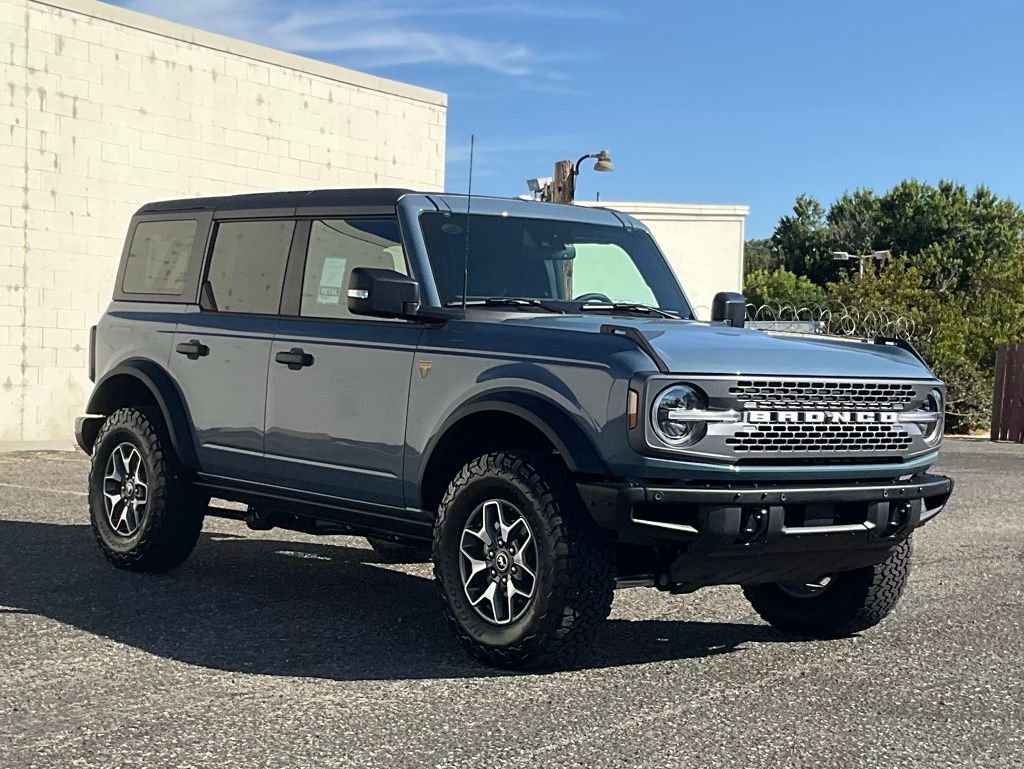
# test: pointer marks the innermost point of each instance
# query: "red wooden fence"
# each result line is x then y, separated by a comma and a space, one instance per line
1008, 394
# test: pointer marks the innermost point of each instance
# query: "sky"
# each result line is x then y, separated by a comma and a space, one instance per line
712, 101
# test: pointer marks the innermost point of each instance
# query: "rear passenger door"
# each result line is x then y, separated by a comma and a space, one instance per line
338, 387
221, 352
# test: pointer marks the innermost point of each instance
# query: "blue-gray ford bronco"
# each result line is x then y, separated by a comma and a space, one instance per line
516, 391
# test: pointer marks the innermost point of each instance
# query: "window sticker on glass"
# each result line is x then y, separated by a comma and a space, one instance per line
331, 278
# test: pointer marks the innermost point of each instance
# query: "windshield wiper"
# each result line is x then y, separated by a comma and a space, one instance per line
506, 301
628, 307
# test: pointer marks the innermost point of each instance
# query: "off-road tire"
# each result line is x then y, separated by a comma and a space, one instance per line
575, 563
174, 512
399, 552
854, 601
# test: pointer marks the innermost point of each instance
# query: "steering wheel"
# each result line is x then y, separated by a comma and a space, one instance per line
593, 296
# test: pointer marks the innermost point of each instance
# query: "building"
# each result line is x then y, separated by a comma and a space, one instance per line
704, 244
102, 109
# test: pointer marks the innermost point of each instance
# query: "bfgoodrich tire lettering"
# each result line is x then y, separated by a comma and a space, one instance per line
169, 526
575, 572
853, 601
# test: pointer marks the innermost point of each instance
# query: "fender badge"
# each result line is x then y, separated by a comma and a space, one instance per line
424, 367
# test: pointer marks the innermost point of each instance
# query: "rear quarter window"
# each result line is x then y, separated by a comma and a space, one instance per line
158, 258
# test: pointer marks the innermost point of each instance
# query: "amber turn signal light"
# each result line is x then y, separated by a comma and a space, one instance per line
633, 409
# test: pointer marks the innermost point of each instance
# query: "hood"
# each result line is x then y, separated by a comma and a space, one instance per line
693, 347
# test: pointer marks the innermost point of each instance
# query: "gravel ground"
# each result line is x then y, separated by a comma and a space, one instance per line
280, 649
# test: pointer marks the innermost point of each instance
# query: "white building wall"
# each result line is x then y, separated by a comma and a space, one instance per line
704, 243
103, 109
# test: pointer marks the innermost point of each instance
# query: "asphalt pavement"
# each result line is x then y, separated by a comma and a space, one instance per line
278, 649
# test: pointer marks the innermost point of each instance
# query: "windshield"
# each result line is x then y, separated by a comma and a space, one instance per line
548, 260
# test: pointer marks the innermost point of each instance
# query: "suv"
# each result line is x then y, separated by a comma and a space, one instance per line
515, 390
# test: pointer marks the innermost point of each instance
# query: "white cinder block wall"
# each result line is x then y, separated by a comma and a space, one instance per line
704, 244
103, 109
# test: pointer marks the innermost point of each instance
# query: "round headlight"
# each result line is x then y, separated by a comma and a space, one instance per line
667, 424
933, 430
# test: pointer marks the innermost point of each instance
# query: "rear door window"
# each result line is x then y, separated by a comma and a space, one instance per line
336, 247
158, 258
247, 265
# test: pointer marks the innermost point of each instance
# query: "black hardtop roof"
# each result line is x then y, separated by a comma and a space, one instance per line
367, 196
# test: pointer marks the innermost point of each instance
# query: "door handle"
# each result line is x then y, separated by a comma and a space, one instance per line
193, 349
294, 358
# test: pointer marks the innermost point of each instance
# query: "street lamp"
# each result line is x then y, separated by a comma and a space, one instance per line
844, 256
603, 165
561, 188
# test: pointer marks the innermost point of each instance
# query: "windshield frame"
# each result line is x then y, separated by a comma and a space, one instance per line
411, 207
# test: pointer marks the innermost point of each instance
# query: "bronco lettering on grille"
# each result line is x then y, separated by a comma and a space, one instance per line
822, 417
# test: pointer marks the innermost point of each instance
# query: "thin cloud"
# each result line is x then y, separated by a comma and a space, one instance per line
382, 34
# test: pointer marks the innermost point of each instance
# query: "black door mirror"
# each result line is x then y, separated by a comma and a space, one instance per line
729, 308
383, 293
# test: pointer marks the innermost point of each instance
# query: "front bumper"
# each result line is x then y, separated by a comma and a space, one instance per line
744, 533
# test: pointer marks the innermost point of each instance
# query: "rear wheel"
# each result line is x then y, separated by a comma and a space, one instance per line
145, 515
525, 575
835, 605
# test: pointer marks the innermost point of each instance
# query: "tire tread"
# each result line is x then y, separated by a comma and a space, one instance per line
584, 570
866, 598
174, 516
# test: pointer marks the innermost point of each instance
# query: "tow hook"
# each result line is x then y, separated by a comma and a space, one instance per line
899, 512
753, 524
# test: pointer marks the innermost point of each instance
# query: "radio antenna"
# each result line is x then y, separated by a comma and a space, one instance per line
469, 201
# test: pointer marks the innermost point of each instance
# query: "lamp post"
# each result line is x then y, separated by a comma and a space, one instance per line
844, 256
562, 188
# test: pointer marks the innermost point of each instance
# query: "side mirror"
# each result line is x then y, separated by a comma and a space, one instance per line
729, 308
383, 293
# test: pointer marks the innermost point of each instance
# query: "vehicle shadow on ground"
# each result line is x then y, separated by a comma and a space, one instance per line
289, 608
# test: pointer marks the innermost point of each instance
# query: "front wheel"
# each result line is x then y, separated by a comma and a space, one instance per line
525, 575
836, 605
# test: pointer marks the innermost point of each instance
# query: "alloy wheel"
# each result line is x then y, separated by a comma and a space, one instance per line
125, 489
498, 561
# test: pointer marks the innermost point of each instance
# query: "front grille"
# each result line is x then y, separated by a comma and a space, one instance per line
838, 394
838, 438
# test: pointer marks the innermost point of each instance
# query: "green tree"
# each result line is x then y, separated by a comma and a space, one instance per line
956, 273
801, 240
782, 288
938, 326
758, 254
853, 224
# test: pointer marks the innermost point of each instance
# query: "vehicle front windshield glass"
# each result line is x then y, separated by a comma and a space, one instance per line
560, 262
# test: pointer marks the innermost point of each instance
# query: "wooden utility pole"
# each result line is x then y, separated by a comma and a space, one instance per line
563, 182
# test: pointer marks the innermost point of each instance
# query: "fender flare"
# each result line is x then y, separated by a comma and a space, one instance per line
167, 395
546, 417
